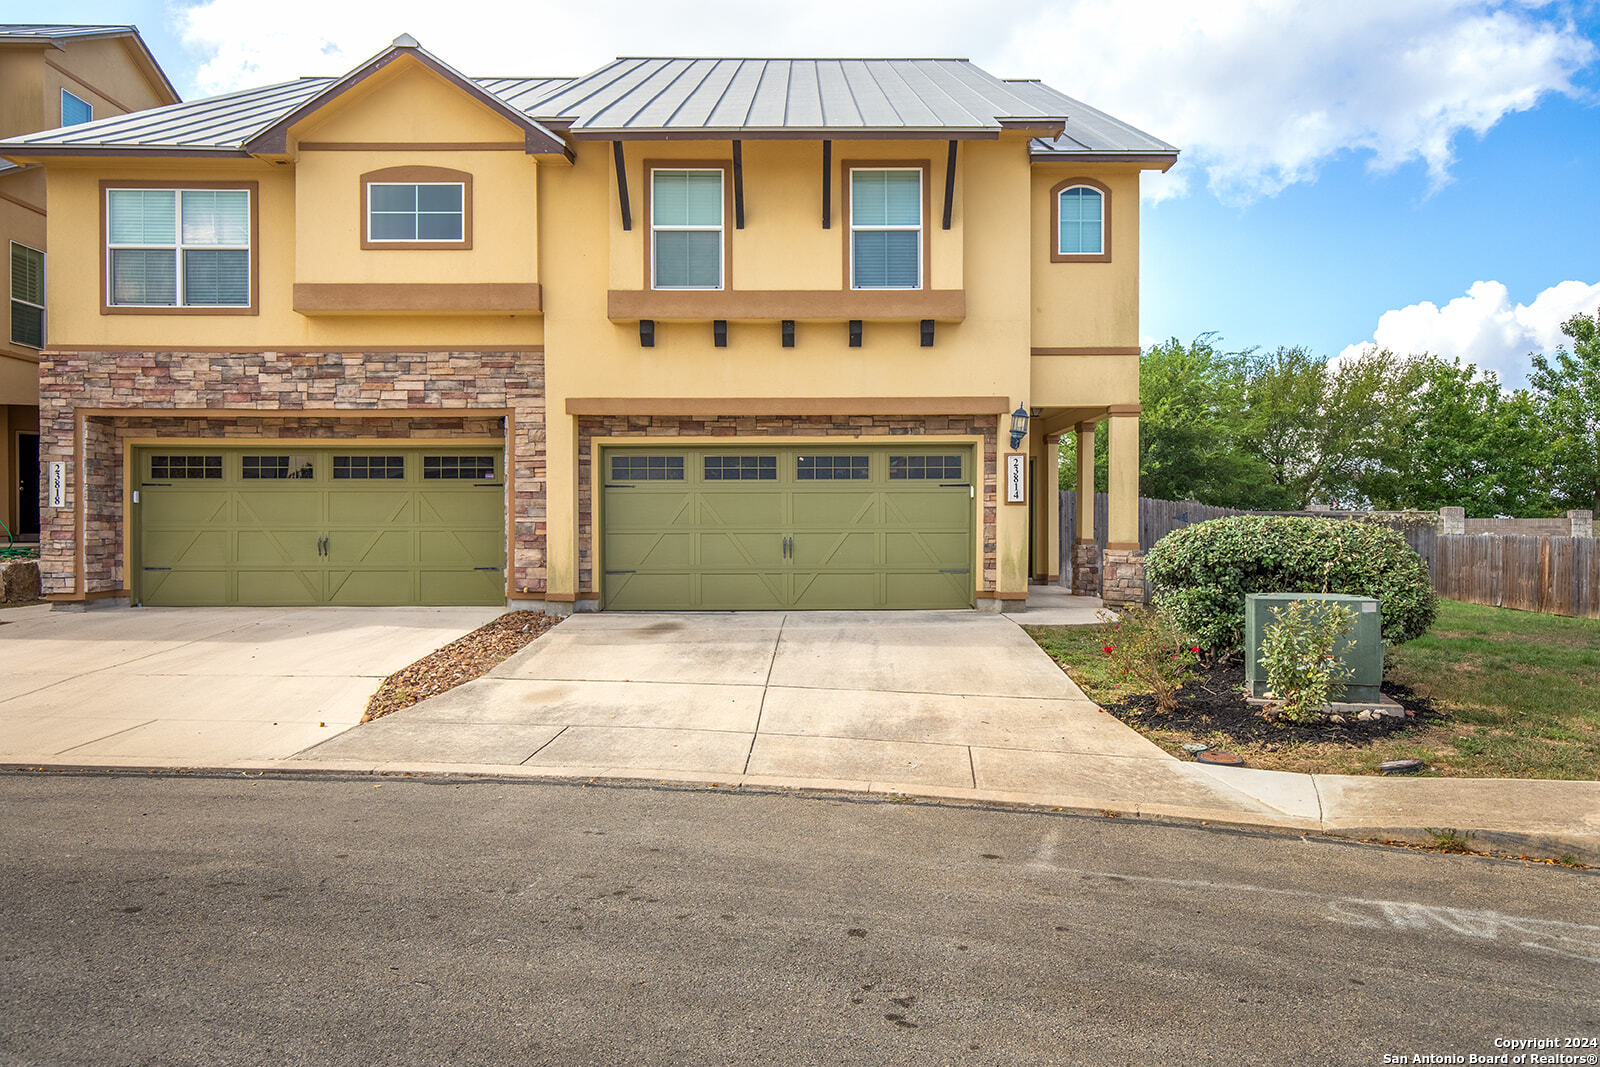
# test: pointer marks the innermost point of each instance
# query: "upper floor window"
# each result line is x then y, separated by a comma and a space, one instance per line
416, 211
27, 296
686, 239
416, 207
886, 228
178, 248
1082, 231
75, 110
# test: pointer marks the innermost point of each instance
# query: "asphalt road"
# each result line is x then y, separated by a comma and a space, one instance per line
168, 920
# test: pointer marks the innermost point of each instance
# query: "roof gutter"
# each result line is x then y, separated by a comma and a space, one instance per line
1162, 161
782, 134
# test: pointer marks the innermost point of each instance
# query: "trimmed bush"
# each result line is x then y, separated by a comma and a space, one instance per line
1201, 573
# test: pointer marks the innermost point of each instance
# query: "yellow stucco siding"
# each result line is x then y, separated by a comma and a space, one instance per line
22, 108
1087, 304
104, 73
1084, 381
18, 376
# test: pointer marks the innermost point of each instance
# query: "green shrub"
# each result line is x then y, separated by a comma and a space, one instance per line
1149, 655
1201, 573
1305, 669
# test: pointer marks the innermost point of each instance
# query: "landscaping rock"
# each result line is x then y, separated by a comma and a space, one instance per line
19, 582
460, 661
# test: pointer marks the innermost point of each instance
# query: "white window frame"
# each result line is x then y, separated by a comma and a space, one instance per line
65, 96
44, 283
179, 248
371, 240
719, 230
919, 227
1101, 193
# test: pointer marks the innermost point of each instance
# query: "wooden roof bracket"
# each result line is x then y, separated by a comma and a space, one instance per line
949, 184
738, 186
827, 184
622, 185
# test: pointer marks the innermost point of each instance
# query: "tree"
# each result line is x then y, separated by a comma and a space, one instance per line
1566, 392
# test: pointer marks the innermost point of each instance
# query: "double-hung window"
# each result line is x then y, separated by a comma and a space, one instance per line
75, 110
27, 296
686, 241
885, 228
178, 247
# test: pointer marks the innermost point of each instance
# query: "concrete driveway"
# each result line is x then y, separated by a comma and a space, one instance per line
838, 699
200, 686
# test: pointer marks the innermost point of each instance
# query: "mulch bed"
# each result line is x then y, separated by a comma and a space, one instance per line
1213, 704
460, 661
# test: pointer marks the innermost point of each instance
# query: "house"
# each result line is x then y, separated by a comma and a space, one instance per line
50, 76
676, 334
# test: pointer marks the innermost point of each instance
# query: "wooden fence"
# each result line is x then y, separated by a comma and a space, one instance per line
1553, 575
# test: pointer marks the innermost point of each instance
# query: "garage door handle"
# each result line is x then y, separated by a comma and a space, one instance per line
486, 568
955, 570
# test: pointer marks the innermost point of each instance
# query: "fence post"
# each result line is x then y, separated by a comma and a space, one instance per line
1582, 523
1452, 520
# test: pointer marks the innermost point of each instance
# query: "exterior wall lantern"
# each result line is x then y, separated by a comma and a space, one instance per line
1019, 426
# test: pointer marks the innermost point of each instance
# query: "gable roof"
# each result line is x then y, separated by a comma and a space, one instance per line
52, 33
660, 98
273, 138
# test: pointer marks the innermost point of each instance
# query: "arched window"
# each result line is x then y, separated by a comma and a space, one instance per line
1080, 209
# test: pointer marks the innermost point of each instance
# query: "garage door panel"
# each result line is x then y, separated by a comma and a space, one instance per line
815, 590
202, 588
937, 508
728, 506
169, 507
279, 509
921, 589
281, 546
626, 510
476, 548
368, 507
851, 549
635, 551
455, 586
734, 591
750, 548
394, 586
367, 547
935, 550
836, 509
643, 592
280, 587
481, 508
186, 548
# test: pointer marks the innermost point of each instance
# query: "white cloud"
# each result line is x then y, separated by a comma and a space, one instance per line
1484, 327
1259, 93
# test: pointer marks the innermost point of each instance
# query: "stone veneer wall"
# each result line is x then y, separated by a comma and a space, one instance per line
431, 394
1085, 568
741, 430
1124, 577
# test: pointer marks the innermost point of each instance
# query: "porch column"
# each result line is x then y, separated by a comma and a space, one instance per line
1123, 563
1085, 555
1050, 502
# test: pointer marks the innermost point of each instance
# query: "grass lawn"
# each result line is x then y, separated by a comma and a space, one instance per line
1519, 693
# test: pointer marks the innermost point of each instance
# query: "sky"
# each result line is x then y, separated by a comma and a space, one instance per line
1422, 175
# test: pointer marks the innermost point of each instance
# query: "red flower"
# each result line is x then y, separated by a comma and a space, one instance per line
1195, 650
1109, 649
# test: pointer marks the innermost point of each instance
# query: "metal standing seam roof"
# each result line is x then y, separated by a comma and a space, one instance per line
673, 97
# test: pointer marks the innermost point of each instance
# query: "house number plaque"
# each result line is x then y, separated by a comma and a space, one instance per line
1016, 478
58, 485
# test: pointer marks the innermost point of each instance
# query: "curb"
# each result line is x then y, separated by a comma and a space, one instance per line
1510, 844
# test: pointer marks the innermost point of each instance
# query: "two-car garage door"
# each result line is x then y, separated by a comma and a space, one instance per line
277, 524
794, 527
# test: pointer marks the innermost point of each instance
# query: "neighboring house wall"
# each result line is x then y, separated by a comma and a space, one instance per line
114, 77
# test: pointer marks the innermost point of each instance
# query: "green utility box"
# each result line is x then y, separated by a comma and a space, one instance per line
1364, 659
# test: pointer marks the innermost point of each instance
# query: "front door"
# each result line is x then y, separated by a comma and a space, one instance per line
27, 485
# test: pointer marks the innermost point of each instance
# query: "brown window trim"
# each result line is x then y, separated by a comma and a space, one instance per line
1104, 190
924, 165
653, 165
108, 308
419, 173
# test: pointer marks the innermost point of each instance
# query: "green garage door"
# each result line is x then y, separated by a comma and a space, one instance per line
751, 528
284, 525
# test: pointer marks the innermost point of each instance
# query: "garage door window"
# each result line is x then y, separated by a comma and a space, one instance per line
174, 468
647, 468
261, 468
830, 468
356, 468
930, 468
741, 468
472, 468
